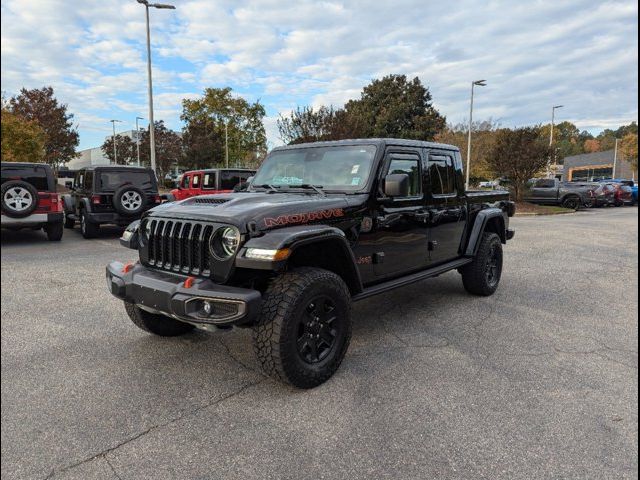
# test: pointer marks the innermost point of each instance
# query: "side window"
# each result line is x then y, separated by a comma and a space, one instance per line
209, 182
442, 175
228, 180
409, 164
545, 183
185, 181
80, 179
88, 180
196, 181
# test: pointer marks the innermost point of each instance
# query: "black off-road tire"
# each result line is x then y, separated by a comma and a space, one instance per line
69, 222
54, 231
88, 229
285, 303
156, 324
475, 276
572, 201
23, 186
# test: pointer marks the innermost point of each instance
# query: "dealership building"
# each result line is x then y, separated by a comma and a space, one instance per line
596, 166
90, 157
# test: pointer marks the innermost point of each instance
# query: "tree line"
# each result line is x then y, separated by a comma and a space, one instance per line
36, 127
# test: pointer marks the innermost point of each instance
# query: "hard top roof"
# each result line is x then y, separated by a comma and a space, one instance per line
372, 141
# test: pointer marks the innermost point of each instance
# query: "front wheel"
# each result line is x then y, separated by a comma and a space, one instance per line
482, 276
305, 327
155, 323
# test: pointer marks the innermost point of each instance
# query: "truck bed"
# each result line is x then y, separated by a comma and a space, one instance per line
490, 196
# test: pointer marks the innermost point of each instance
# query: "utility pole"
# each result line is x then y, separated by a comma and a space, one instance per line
138, 139
152, 136
553, 115
113, 140
480, 83
226, 143
615, 160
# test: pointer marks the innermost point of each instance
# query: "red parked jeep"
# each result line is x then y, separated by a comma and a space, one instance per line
205, 182
29, 199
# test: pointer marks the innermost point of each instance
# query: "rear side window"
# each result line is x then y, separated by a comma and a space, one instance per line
111, 180
442, 175
196, 181
545, 183
209, 181
36, 176
229, 179
88, 180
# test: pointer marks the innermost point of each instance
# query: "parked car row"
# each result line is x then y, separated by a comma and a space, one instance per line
575, 195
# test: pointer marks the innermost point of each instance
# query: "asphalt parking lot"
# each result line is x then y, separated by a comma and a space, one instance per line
538, 381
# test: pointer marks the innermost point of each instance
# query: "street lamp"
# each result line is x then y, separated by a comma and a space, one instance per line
553, 117
152, 136
480, 83
113, 139
615, 160
138, 139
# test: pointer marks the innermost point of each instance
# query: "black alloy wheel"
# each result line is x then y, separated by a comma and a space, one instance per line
317, 330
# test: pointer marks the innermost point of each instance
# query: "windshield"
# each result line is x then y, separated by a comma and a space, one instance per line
110, 180
343, 168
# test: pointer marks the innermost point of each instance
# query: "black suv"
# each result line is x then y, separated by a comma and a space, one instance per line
109, 195
30, 200
321, 225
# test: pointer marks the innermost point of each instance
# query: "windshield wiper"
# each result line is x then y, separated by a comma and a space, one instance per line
267, 186
317, 188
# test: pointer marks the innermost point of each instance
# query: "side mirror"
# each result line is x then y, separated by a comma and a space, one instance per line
130, 237
396, 185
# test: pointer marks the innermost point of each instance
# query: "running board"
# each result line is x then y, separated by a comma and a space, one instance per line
409, 279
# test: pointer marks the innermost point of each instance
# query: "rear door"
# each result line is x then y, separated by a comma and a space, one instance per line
447, 205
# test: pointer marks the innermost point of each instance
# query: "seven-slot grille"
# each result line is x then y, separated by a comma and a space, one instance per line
179, 246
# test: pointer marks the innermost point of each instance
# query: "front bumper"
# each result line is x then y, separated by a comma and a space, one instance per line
165, 293
33, 220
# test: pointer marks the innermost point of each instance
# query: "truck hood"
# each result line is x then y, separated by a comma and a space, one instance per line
264, 210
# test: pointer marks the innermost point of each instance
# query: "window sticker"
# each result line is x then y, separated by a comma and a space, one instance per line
287, 180
355, 169
355, 181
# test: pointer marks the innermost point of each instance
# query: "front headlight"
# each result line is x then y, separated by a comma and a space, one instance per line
224, 242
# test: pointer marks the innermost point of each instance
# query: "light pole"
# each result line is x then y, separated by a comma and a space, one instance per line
226, 143
480, 83
615, 160
152, 136
553, 118
138, 139
113, 139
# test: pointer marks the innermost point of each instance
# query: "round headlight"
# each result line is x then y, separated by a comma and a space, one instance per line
224, 242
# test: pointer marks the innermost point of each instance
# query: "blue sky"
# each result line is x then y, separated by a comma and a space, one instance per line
582, 54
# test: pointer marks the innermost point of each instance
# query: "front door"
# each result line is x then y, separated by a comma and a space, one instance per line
544, 190
398, 242
447, 205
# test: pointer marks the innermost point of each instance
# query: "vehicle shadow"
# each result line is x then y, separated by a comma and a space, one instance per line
28, 237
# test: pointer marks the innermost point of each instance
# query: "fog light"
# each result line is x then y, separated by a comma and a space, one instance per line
207, 308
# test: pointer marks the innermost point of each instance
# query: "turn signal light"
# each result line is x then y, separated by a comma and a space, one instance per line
188, 283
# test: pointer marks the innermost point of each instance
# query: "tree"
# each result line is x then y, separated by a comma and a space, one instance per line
60, 136
168, 148
629, 149
126, 150
519, 155
307, 124
567, 140
395, 107
22, 140
483, 138
591, 145
204, 133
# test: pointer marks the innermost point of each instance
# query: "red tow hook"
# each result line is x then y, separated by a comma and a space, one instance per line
188, 283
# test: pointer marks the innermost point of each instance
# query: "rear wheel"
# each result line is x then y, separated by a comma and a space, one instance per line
155, 323
88, 229
572, 202
305, 327
54, 231
68, 222
482, 276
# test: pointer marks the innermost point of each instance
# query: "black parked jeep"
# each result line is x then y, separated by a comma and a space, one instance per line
321, 225
109, 195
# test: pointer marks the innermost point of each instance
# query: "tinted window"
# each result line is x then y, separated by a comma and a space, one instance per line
545, 183
230, 179
36, 176
185, 181
110, 180
411, 167
196, 181
209, 181
442, 175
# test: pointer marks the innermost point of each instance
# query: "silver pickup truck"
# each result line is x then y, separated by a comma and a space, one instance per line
551, 191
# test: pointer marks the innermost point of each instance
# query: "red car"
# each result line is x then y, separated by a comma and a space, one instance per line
616, 194
205, 182
29, 199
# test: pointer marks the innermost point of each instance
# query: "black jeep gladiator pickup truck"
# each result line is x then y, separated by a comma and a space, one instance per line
320, 225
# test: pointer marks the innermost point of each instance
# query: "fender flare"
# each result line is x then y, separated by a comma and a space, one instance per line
68, 203
297, 237
86, 204
480, 223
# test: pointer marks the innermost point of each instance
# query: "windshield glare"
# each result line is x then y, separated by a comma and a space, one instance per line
343, 168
